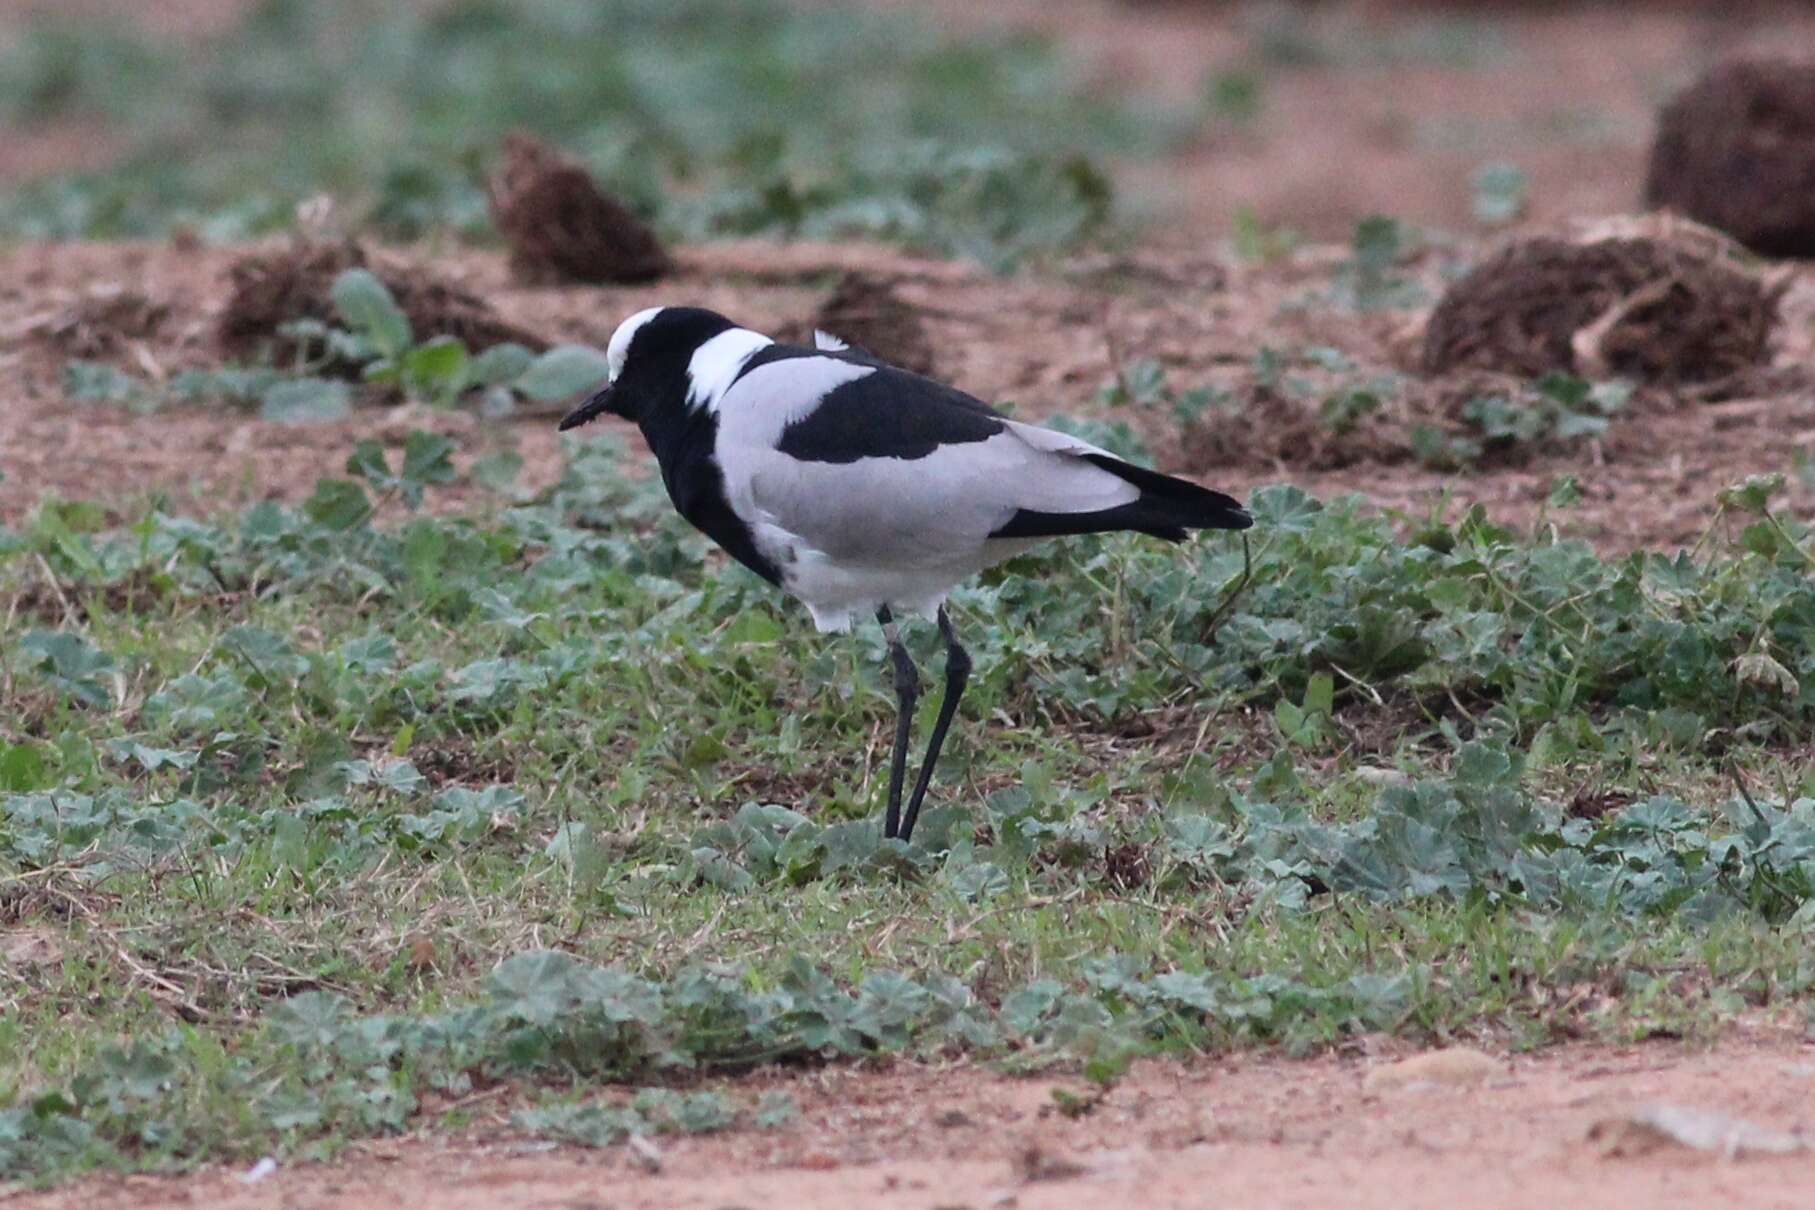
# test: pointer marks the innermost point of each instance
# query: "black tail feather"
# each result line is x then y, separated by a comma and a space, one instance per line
1167, 508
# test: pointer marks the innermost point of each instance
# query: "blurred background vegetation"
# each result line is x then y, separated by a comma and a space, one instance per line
991, 132
710, 117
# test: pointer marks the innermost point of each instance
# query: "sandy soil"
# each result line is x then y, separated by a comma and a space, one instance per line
1356, 1132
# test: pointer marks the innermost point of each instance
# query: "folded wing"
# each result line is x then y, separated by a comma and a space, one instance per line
884, 467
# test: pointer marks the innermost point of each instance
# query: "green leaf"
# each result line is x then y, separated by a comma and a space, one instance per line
1500, 192
487, 806
366, 305
1752, 494
55, 524
305, 401
1142, 381
227, 384
1320, 695
703, 1112
1293, 725
975, 881
483, 680
309, 1020
1379, 241
438, 369
23, 768
501, 365
270, 654
1759, 668
152, 759
1284, 508
537, 987
754, 626
338, 504
1024, 1010
426, 458
563, 372
498, 471
398, 776
1366, 280
1183, 990
585, 1125
1575, 424
368, 462
1235, 94
775, 1108
70, 662
98, 382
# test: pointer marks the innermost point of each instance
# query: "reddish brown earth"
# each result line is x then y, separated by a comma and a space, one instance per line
1403, 99
1372, 127
1355, 1132
1046, 344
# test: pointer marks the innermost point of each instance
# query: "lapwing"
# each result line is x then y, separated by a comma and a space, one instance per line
864, 490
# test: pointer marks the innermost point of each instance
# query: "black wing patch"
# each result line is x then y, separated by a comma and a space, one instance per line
888, 414
1167, 508
1137, 516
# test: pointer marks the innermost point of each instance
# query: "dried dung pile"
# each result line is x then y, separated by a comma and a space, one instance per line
103, 320
561, 227
866, 311
275, 289
1272, 429
1736, 150
1668, 307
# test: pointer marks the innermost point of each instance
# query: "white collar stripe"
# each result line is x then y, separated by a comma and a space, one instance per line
716, 364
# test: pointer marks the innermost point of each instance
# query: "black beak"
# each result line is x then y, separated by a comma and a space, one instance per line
590, 410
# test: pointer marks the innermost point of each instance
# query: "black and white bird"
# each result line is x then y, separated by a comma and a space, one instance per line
862, 489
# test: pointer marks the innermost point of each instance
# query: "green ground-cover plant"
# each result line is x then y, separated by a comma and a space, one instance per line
325, 820
1370, 280
1548, 413
710, 116
1523, 419
374, 334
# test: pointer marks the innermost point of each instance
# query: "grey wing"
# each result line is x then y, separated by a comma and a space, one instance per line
924, 512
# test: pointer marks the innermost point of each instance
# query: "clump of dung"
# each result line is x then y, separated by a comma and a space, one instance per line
1736, 150
561, 227
103, 320
1660, 302
271, 290
867, 311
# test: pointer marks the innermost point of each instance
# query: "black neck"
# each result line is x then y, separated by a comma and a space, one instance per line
677, 435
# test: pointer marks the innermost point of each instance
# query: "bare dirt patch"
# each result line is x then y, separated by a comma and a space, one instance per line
1391, 107
1362, 108
1507, 1131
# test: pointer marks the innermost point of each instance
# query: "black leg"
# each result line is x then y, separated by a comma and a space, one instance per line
907, 691
957, 673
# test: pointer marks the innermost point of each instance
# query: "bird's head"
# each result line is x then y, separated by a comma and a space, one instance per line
664, 360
